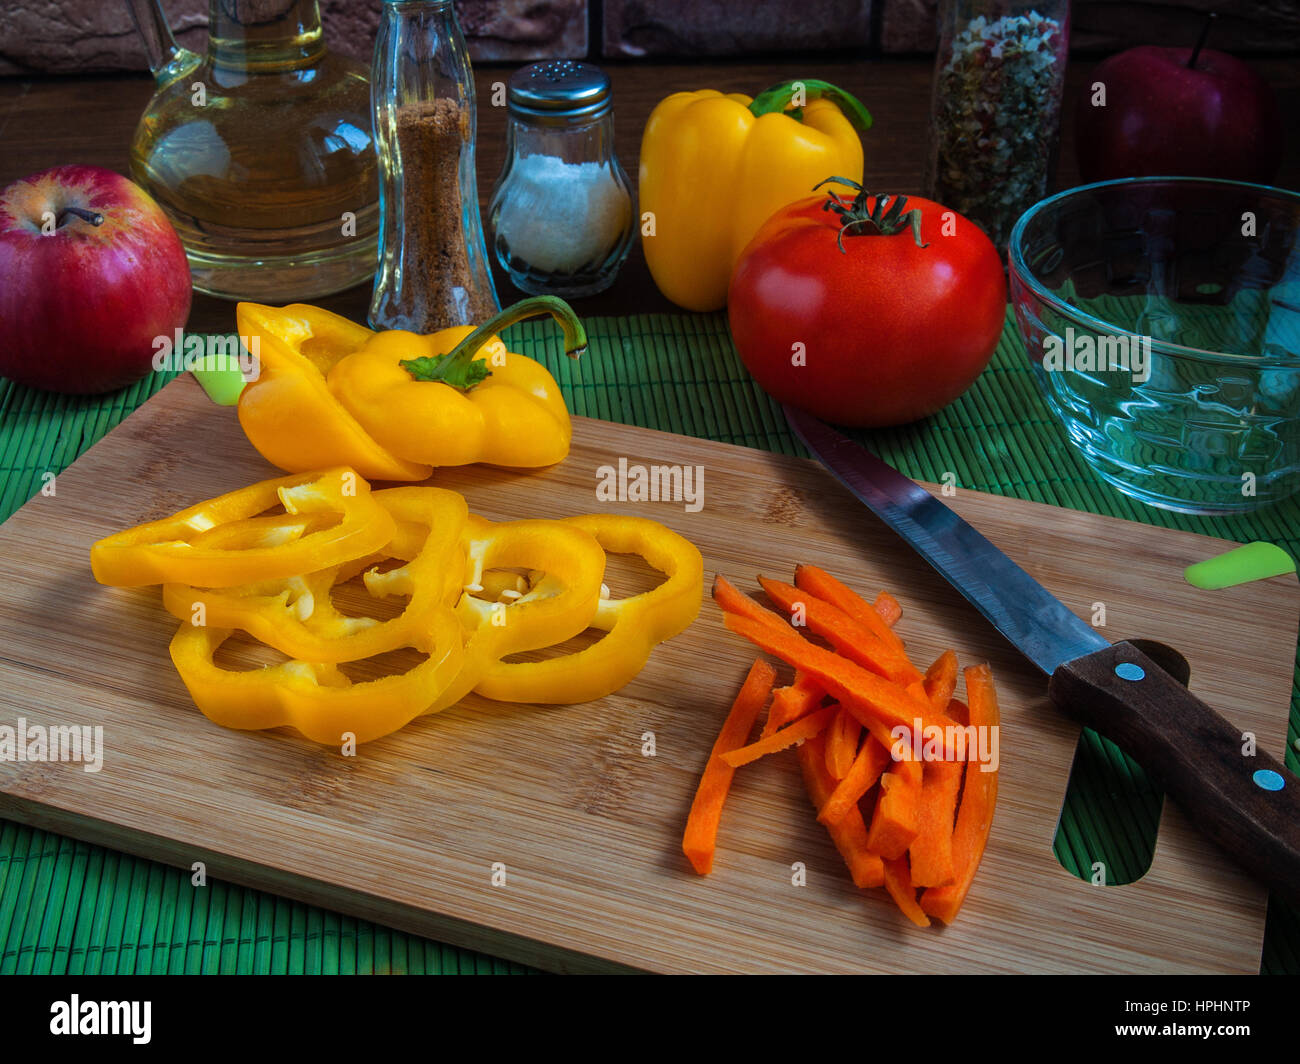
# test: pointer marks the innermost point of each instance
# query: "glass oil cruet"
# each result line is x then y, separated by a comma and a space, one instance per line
260, 151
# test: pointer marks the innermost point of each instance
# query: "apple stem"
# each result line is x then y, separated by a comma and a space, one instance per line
1200, 43
93, 217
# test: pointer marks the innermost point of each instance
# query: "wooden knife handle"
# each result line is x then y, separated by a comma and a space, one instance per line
1203, 762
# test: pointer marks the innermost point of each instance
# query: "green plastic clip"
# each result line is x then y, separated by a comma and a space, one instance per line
1254, 561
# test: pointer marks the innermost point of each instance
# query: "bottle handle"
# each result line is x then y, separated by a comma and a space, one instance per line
166, 58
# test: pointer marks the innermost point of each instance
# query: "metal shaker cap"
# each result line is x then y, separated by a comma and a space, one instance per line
558, 92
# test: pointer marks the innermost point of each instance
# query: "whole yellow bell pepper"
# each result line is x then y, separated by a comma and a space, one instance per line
714, 168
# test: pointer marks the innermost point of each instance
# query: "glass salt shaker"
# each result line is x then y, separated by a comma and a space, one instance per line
433, 265
996, 108
561, 210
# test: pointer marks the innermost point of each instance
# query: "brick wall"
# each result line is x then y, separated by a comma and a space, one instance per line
68, 36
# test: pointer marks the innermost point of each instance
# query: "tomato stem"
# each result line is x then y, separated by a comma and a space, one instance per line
885, 218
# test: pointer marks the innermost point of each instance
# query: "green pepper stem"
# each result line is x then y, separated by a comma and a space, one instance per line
778, 98
453, 367
575, 336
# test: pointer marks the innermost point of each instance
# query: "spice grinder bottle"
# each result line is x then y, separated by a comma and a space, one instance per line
433, 265
561, 211
996, 108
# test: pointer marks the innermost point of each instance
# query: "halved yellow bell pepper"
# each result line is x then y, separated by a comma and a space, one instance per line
714, 168
288, 413
394, 404
458, 396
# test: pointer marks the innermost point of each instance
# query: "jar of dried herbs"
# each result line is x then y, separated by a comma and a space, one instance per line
996, 108
433, 264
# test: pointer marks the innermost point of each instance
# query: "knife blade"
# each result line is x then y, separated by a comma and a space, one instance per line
1237, 795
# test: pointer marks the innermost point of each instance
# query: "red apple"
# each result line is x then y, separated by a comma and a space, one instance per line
91, 271
1217, 118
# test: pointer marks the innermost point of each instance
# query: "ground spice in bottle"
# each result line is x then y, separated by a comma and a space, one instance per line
439, 286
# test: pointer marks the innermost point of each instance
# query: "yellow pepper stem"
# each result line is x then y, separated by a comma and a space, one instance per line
458, 368
778, 99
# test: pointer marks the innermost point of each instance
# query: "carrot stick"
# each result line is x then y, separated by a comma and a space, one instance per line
975, 813
804, 728
820, 583
726, 595
700, 840
940, 682
896, 818
848, 833
791, 703
898, 881
852, 639
879, 704
931, 850
861, 777
842, 742
888, 608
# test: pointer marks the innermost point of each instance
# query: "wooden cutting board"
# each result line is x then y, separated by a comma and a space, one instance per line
565, 801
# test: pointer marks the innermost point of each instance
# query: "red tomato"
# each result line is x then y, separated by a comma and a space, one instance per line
883, 333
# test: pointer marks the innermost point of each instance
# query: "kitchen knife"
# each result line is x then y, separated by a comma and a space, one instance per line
1243, 799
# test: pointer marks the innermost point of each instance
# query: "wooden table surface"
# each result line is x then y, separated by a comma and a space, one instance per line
51, 121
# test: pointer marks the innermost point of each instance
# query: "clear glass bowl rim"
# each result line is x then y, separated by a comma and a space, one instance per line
1016, 262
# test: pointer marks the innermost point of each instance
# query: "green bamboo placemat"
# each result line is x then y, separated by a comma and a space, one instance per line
68, 907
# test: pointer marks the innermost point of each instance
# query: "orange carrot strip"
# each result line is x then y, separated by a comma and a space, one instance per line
931, 850
896, 819
879, 704
842, 742
861, 777
791, 703
804, 728
726, 595
940, 682
975, 813
850, 832
820, 583
898, 881
888, 608
700, 839
852, 639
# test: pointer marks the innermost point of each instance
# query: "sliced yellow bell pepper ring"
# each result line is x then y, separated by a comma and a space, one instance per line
317, 699
458, 396
171, 550
288, 412
634, 626
297, 616
562, 602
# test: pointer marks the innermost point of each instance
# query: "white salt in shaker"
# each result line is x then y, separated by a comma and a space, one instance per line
561, 211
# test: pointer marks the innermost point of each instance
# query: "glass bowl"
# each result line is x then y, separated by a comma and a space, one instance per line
1162, 317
